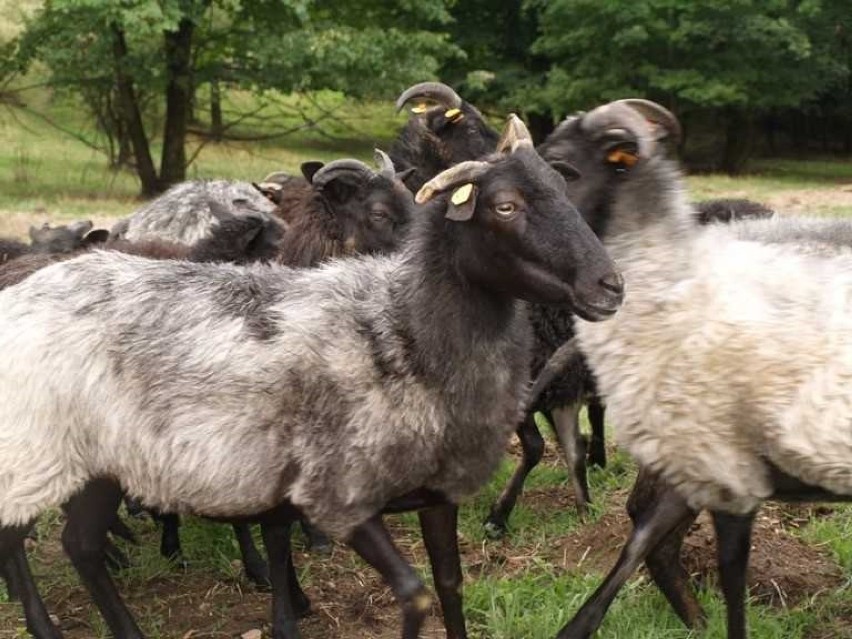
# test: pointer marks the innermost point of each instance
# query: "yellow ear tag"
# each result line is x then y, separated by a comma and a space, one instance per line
622, 157
420, 108
454, 115
462, 194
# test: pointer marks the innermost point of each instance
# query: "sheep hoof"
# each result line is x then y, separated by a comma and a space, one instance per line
495, 529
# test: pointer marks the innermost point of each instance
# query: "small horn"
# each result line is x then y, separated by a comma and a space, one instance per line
334, 170
458, 174
515, 134
436, 91
279, 177
658, 115
385, 164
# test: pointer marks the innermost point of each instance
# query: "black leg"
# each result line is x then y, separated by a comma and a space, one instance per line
665, 514
439, 526
254, 564
276, 538
733, 542
7, 573
13, 558
375, 546
566, 424
170, 536
597, 444
90, 513
317, 541
532, 450
663, 562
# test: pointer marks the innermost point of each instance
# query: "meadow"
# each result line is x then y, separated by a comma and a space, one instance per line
527, 585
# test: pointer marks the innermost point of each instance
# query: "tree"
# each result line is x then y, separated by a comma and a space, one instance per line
738, 57
119, 53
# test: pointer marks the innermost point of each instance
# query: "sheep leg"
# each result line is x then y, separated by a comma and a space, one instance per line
16, 569
90, 514
374, 545
317, 541
733, 541
439, 526
663, 562
276, 538
597, 443
532, 450
170, 537
656, 523
257, 570
566, 424
7, 573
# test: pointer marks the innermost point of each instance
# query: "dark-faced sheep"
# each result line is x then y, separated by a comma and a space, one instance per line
51, 239
300, 371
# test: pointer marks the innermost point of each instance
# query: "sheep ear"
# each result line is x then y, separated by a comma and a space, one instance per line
34, 233
567, 170
402, 176
462, 203
270, 190
310, 168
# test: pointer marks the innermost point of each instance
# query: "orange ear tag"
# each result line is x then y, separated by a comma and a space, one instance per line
622, 157
454, 115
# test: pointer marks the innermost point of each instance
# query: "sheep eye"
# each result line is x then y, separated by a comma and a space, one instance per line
505, 209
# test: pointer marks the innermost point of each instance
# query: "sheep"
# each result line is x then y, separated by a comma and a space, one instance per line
726, 367
188, 211
817, 236
301, 371
438, 136
51, 239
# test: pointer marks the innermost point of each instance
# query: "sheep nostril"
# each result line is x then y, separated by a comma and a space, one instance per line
612, 282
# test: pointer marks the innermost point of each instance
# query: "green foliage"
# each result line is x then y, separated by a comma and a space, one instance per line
750, 54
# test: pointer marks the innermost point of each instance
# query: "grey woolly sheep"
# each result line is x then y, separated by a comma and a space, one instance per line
167, 376
730, 209
727, 369
187, 212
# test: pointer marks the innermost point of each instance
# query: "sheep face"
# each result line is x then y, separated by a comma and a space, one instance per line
598, 152
372, 212
519, 235
59, 239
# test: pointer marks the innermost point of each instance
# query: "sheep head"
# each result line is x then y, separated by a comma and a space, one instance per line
370, 208
443, 130
516, 231
597, 151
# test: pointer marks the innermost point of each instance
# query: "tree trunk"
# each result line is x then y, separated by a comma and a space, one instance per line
217, 125
132, 116
739, 132
178, 95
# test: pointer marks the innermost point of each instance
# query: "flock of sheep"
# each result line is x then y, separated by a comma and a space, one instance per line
329, 348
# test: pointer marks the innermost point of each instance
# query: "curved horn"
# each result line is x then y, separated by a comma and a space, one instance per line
386, 168
458, 174
334, 170
278, 176
515, 134
646, 120
658, 115
437, 91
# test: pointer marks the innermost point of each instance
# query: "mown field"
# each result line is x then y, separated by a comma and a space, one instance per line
525, 586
